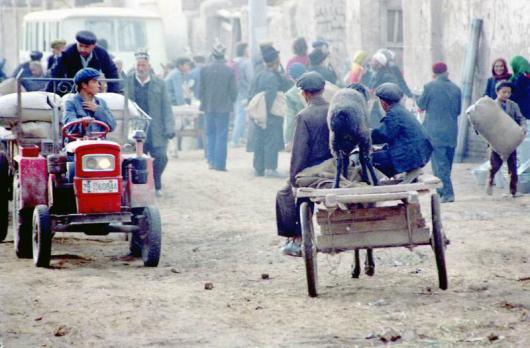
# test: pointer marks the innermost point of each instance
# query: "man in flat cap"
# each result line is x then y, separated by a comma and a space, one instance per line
85, 54
34, 56
408, 146
442, 102
57, 47
85, 104
217, 93
318, 59
310, 148
151, 95
266, 143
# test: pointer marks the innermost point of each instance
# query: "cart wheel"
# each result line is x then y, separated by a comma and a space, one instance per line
438, 241
22, 228
42, 236
309, 249
4, 196
151, 234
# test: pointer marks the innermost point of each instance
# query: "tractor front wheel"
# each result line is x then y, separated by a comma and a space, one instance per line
42, 236
150, 236
4, 196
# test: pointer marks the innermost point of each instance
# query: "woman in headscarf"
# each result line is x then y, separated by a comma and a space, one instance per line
499, 72
521, 84
357, 68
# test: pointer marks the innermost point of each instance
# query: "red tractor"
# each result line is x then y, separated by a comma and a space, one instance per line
91, 185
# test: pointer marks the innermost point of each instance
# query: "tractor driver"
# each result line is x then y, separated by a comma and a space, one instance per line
85, 104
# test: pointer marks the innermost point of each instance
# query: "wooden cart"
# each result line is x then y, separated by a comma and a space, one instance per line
367, 218
188, 119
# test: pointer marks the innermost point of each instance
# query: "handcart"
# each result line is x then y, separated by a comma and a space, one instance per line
367, 218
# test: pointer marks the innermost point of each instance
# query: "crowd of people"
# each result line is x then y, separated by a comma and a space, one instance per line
268, 108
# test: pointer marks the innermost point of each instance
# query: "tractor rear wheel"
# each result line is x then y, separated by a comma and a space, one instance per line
42, 236
21, 225
151, 236
4, 196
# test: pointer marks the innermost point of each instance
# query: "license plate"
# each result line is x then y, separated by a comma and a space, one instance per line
100, 186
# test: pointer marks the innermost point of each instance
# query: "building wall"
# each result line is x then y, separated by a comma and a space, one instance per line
440, 29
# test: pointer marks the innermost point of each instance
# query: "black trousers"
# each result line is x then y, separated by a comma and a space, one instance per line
496, 164
382, 162
160, 159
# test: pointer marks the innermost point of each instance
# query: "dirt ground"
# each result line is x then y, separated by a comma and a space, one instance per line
220, 228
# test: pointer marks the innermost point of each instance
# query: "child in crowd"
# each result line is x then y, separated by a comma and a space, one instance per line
504, 91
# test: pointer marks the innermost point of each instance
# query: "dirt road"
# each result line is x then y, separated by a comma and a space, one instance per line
220, 228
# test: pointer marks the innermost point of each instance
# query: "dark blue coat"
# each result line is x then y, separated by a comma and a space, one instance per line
521, 94
381, 76
490, 87
442, 101
408, 143
70, 63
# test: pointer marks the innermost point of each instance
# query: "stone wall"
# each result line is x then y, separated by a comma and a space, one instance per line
439, 30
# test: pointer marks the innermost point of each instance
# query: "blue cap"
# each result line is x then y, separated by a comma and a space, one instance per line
311, 82
86, 37
85, 75
296, 70
35, 55
389, 92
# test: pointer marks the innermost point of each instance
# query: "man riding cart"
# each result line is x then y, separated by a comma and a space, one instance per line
80, 182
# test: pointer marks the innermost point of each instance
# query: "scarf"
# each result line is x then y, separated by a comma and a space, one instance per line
520, 66
504, 76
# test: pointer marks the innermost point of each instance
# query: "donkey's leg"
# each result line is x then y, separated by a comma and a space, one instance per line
356, 267
369, 264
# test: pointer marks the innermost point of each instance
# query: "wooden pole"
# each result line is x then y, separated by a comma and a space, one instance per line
468, 76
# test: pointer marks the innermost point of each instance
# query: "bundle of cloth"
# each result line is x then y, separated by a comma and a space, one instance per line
322, 176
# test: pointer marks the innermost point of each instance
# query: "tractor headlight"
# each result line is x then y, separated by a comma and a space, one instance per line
98, 163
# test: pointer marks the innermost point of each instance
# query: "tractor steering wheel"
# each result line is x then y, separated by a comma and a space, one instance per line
85, 123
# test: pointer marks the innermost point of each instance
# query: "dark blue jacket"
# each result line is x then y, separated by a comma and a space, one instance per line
408, 143
521, 94
70, 63
381, 76
442, 101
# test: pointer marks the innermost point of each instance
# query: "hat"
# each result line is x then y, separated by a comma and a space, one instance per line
86, 37
218, 50
296, 70
389, 54
317, 56
142, 54
319, 43
85, 75
380, 58
35, 55
311, 82
58, 43
439, 68
269, 53
389, 92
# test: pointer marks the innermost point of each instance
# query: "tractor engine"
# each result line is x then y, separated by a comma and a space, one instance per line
98, 179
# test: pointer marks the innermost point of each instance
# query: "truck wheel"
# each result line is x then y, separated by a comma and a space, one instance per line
42, 236
438, 242
21, 225
151, 234
4, 196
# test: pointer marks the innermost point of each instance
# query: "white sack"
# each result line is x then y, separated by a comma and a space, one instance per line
499, 129
42, 130
35, 106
